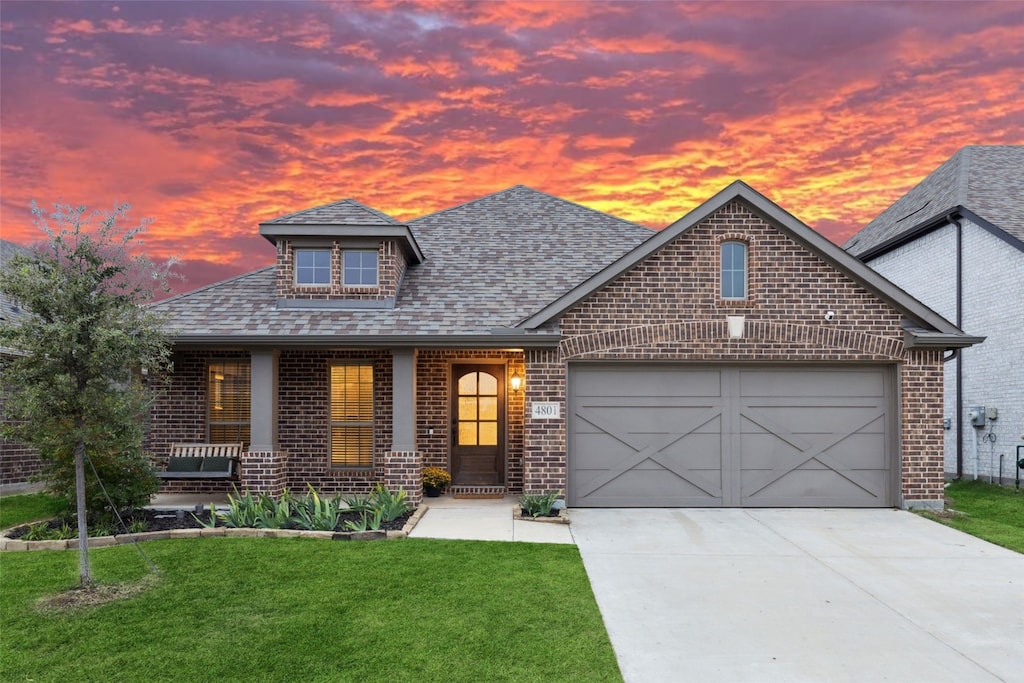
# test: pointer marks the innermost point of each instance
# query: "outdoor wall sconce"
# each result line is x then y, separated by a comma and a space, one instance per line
516, 382
735, 323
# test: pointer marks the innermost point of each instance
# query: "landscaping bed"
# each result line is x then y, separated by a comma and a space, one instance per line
147, 520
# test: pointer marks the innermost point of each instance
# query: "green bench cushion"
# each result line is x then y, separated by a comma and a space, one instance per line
216, 464
184, 464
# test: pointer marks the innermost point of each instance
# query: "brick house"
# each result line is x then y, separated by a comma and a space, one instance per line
956, 242
526, 343
18, 463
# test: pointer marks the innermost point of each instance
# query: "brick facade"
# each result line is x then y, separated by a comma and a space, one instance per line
18, 462
668, 308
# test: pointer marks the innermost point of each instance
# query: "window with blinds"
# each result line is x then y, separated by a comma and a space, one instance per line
351, 415
228, 402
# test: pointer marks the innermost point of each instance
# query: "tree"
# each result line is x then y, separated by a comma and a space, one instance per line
76, 389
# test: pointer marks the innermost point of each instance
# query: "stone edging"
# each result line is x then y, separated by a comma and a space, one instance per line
562, 517
14, 544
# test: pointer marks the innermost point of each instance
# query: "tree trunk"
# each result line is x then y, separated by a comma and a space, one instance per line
84, 570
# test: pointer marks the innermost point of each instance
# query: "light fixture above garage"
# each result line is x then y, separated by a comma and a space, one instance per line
735, 324
516, 382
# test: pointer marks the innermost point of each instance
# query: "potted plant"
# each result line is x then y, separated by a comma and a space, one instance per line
435, 480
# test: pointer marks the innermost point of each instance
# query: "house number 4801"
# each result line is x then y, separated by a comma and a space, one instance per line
545, 411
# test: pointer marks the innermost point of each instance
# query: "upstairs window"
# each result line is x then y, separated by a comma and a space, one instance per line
734, 270
313, 267
360, 269
228, 402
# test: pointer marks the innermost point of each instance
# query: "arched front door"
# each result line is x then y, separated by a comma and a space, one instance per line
478, 424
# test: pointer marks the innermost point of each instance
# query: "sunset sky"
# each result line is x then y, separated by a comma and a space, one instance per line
210, 117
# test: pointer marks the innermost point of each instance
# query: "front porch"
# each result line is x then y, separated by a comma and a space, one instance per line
343, 420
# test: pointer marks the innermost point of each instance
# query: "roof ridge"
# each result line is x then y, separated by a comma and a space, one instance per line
963, 173
471, 201
347, 200
210, 286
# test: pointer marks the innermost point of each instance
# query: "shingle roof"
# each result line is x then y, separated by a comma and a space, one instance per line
345, 212
489, 263
986, 180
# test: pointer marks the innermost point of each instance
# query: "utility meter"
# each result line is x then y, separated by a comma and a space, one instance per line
977, 416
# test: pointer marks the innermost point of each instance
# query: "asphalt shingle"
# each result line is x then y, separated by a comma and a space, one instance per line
987, 180
489, 263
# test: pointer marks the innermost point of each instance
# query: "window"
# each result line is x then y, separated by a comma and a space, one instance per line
351, 415
313, 266
228, 402
734, 270
360, 269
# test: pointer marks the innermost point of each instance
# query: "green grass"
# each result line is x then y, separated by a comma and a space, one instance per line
30, 507
994, 513
255, 609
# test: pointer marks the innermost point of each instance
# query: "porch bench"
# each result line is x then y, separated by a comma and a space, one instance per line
201, 461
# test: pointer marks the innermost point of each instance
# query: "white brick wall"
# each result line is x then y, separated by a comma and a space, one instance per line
993, 306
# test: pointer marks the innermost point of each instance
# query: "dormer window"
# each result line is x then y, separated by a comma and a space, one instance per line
313, 267
360, 269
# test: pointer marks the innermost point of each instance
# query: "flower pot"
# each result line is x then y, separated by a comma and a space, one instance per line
431, 491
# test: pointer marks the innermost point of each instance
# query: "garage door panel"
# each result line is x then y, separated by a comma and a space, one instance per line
811, 383
628, 383
659, 488
647, 421
813, 420
813, 487
818, 436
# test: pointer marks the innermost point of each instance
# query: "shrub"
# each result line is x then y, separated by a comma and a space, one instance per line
435, 477
538, 504
390, 505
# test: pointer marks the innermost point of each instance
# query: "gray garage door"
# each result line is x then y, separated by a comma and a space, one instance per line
736, 436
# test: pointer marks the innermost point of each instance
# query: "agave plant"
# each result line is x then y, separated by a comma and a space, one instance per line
316, 513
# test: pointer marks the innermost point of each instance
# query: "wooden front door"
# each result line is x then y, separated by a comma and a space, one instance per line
478, 424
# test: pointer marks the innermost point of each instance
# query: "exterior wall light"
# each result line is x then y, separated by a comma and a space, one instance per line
516, 382
735, 323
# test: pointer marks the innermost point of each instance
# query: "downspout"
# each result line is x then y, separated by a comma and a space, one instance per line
957, 354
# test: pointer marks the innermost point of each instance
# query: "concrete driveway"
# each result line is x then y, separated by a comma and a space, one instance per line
802, 595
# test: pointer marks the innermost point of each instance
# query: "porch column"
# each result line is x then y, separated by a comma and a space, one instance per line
403, 463
263, 401
263, 465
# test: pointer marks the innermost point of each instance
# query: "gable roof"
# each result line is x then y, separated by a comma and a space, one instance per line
984, 182
487, 264
345, 212
931, 329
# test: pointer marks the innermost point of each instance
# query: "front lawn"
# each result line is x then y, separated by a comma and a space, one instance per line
262, 609
29, 507
994, 513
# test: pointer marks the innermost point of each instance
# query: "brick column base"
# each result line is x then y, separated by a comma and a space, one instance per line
264, 472
403, 471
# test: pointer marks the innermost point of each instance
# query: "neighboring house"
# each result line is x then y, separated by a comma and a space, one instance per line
526, 343
18, 463
956, 242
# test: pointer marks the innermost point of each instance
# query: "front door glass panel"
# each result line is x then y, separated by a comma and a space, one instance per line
477, 409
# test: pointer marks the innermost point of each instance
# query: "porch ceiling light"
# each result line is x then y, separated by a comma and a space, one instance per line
516, 382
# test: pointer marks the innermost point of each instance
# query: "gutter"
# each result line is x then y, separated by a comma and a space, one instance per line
392, 341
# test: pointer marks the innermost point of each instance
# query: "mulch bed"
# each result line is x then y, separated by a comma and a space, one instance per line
166, 520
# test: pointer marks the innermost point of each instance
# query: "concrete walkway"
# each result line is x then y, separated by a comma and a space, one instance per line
802, 595
474, 519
